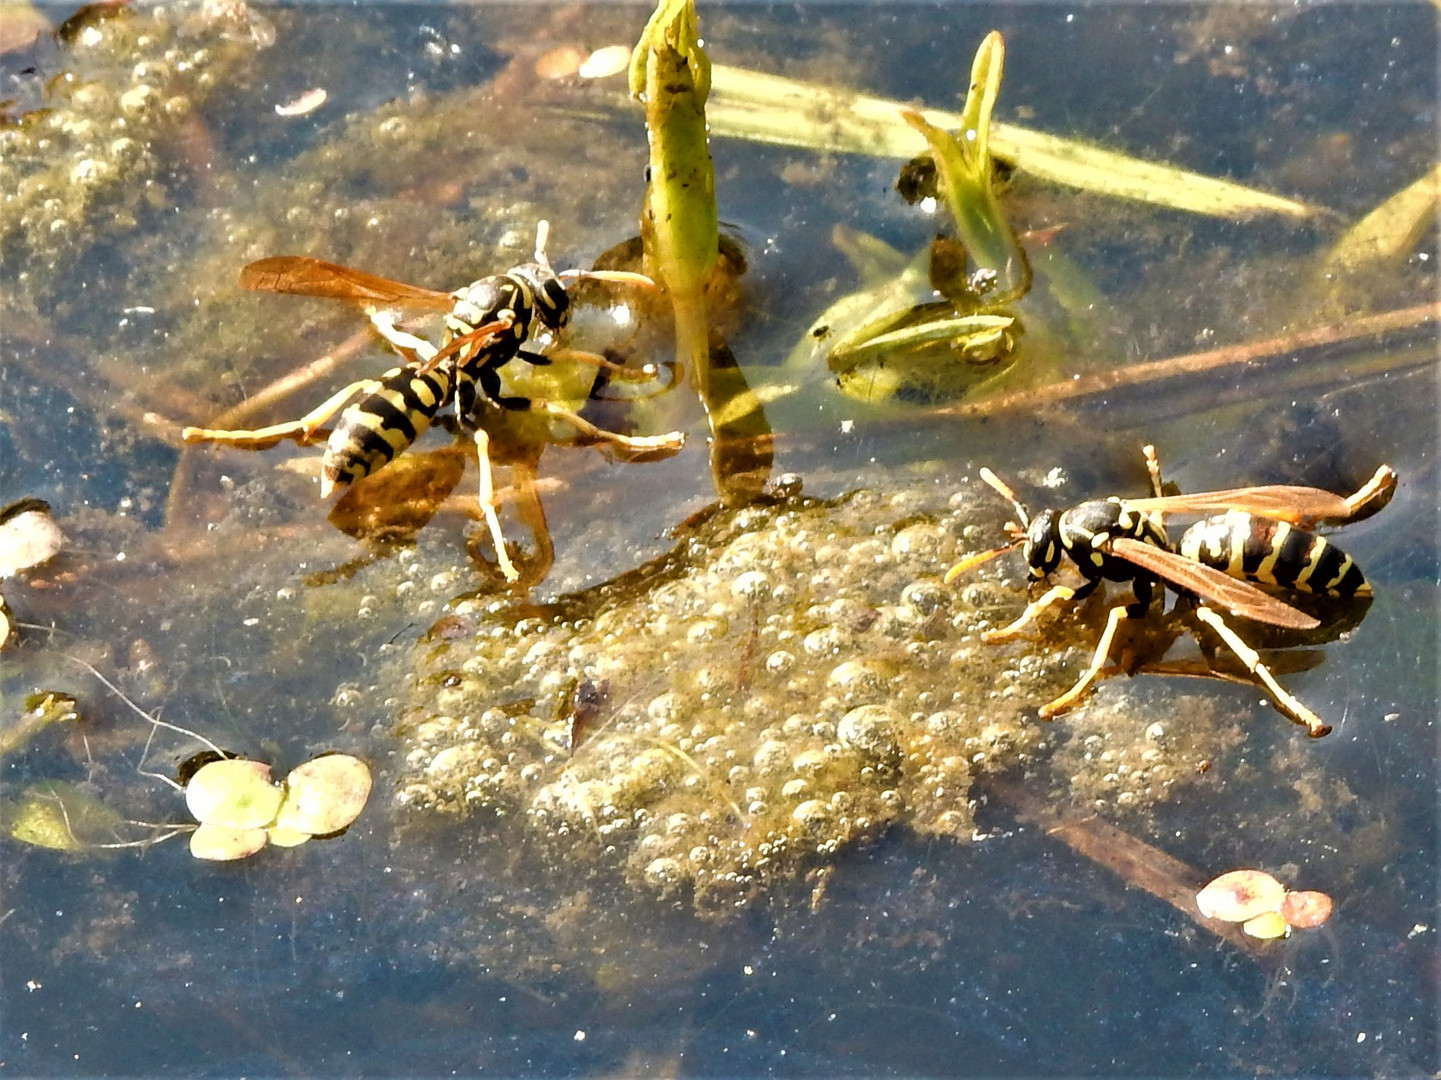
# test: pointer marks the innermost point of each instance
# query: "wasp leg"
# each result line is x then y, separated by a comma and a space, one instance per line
1314, 725
1098, 661
532, 512
489, 379
302, 431
1052, 595
408, 346
487, 505
671, 440
644, 373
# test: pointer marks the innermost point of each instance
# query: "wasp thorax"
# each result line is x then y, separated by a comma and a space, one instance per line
479, 302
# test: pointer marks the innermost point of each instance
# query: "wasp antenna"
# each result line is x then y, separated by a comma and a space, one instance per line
1004, 490
1153, 468
542, 237
970, 562
623, 277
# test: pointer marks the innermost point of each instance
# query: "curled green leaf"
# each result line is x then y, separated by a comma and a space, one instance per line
680, 231
965, 183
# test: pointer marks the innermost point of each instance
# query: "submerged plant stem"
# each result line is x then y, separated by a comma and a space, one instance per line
787, 112
1195, 363
1138, 863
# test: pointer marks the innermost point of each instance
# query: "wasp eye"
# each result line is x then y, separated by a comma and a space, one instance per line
553, 304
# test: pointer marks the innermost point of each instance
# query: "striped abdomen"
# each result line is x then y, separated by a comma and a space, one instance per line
384, 422
1271, 552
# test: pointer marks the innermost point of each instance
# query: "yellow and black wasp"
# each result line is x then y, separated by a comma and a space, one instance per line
1262, 535
488, 324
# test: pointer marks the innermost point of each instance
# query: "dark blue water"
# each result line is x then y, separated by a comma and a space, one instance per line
409, 947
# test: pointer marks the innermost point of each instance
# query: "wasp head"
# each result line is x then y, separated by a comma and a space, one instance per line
551, 301
1041, 547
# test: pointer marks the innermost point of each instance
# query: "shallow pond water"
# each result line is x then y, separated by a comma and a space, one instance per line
724, 791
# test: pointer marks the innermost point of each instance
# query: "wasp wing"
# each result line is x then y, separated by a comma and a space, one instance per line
1282, 502
304, 276
1237, 596
478, 337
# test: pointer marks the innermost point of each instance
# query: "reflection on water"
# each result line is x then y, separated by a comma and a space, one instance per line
545, 921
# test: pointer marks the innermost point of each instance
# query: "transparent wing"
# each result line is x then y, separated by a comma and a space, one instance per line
303, 276
1282, 502
1237, 596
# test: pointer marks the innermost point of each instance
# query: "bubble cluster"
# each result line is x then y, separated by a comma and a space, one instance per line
87, 164
1127, 750
791, 682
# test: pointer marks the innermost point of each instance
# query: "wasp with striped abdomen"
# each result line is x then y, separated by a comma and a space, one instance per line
488, 325
1262, 537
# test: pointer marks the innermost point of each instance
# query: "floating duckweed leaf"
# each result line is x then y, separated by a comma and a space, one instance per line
307, 102
561, 63
220, 843
235, 794
28, 536
1267, 925
20, 24
283, 837
186, 770
1240, 895
59, 816
604, 62
1305, 910
324, 795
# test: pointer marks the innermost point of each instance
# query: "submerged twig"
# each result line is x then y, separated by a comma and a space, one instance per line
1136, 861
1196, 363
